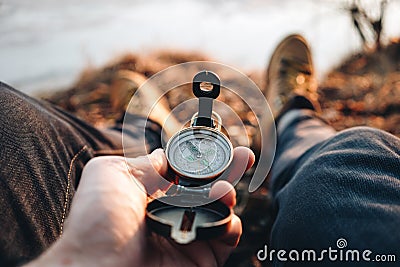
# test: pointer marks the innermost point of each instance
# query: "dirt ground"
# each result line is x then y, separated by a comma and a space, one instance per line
364, 90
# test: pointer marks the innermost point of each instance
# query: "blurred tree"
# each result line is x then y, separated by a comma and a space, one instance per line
368, 24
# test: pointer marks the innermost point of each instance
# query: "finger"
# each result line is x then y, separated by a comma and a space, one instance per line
149, 170
243, 159
226, 190
213, 252
223, 246
232, 237
159, 161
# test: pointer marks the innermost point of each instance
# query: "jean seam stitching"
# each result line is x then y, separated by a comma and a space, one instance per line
103, 152
66, 198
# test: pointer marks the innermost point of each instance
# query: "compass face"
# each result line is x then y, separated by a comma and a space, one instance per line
199, 153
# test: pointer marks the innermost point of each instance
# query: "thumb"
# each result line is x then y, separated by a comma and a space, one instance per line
150, 170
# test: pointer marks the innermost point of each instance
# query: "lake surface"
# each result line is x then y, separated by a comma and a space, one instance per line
44, 44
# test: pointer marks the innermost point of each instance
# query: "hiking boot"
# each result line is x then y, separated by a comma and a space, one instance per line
124, 87
291, 73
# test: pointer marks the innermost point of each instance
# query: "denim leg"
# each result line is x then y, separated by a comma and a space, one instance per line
298, 132
345, 187
42, 153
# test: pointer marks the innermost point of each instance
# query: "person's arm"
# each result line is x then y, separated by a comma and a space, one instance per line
106, 224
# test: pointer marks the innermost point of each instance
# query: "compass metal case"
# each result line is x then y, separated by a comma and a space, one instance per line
186, 224
197, 155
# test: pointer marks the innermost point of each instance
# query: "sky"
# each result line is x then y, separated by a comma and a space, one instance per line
45, 44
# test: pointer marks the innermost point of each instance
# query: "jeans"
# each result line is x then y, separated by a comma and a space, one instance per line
328, 186
42, 153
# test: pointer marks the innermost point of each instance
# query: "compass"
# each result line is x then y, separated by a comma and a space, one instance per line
201, 152
197, 155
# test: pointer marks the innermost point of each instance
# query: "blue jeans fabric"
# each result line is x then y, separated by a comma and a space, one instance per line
329, 185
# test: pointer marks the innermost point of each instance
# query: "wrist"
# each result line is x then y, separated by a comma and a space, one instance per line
66, 252
62, 254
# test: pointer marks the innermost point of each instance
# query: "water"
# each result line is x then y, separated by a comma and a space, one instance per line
45, 44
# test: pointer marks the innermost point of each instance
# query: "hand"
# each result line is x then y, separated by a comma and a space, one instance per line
106, 224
